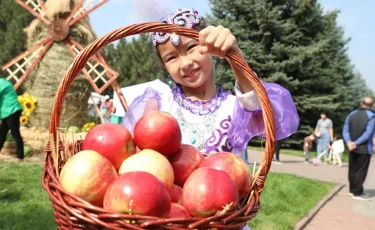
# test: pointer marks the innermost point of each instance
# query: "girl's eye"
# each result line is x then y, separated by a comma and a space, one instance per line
170, 58
192, 46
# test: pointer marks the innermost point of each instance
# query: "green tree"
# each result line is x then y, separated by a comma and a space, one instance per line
135, 61
13, 19
295, 44
358, 89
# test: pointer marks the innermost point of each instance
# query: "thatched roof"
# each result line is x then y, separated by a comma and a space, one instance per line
55, 8
58, 9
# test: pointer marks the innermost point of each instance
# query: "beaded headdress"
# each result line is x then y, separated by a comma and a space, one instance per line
188, 18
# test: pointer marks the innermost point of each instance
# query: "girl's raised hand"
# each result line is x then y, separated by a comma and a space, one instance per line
217, 41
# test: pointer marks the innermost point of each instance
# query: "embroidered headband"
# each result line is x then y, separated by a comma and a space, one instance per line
183, 17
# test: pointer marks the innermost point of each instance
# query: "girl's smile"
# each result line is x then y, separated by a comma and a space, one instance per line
186, 65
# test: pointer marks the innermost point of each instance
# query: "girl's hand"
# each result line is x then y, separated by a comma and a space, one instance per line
217, 41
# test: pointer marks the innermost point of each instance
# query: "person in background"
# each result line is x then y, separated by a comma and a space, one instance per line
10, 113
307, 146
107, 108
358, 133
324, 134
277, 152
337, 149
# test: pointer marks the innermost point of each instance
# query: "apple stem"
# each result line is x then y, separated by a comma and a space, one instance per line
130, 206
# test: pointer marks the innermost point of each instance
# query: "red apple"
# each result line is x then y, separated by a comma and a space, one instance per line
176, 194
184, 162
113, 141
138, 193
87, 175
178, 211
237, 169
207, 191
158, 131
152, 162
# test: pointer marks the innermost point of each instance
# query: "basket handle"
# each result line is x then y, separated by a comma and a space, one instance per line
80, 61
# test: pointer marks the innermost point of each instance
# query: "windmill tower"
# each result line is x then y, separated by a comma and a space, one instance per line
59, 32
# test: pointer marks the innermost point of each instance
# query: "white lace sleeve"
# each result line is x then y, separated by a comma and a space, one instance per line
249, 100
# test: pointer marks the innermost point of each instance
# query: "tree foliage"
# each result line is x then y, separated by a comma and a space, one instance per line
135, 60
296, 44
13, 19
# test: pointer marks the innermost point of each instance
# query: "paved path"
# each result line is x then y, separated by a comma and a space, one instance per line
342, 212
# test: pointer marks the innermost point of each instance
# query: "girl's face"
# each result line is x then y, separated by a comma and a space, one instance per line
186, 65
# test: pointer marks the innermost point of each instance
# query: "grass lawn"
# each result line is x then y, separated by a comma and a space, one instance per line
25, 205
286, 199
23, 202
344, 158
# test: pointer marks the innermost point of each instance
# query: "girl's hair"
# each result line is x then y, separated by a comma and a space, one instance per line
198, 27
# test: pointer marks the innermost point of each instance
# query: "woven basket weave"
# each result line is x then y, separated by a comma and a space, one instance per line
72, 212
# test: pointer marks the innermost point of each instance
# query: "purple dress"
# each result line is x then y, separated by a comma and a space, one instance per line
225, 122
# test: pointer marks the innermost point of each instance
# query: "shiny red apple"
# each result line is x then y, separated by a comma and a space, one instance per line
158, 131
237, 169
152, 162
184, 162
138, 193
176, 194
178, 211
207, 191
113, 141
87, 175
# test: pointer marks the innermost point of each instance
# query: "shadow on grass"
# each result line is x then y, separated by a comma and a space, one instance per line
32, 219
7, 192
9, 196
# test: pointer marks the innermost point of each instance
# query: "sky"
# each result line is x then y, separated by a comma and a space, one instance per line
357, 18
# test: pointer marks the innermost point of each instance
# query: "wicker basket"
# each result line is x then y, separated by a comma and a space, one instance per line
74, 213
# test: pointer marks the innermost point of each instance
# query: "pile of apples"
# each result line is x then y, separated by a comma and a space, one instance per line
153, 174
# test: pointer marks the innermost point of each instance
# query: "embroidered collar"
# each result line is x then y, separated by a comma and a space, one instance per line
197, 106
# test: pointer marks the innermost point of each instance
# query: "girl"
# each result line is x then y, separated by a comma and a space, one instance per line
210, 118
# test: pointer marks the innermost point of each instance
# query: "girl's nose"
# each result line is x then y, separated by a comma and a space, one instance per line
186, 63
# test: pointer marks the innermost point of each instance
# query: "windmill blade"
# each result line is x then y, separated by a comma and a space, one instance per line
82, 9
20, 67
36, 7
98, 73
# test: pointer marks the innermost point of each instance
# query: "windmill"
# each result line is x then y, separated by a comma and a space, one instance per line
61, 28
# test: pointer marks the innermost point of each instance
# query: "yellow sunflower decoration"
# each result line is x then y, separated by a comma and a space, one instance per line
28, 103
24, 119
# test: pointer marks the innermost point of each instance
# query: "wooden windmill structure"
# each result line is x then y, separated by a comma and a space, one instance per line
58, 28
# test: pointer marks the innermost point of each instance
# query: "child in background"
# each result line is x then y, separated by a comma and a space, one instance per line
337, 149
307, 146
107, 108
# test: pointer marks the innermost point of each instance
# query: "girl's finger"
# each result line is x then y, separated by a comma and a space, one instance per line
203, 50
230, 42
203, 35
220, 41
212, 37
